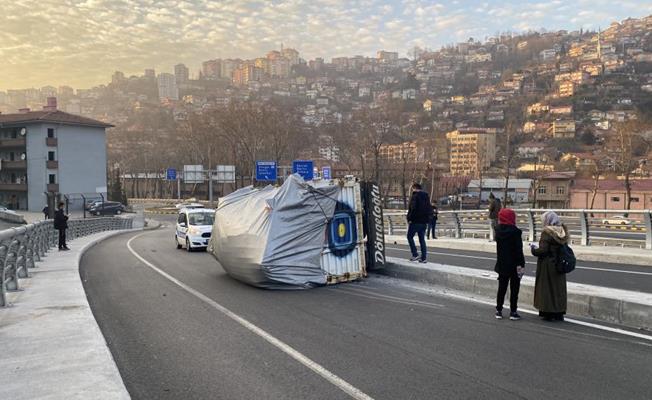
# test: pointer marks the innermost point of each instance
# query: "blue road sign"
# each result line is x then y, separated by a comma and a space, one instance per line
171, 174
326, 173
303, 168
266, 171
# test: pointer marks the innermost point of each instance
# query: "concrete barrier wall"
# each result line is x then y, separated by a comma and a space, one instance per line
632, 309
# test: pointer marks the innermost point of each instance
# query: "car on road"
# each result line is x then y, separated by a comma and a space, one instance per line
617, 220
189, 205
107, 208
194, 228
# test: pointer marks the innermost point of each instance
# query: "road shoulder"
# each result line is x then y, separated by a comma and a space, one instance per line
50, 344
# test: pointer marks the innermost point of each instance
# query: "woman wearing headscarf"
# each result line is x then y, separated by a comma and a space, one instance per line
509, 262
550, 285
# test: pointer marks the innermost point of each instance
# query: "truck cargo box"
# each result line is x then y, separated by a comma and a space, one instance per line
299, 235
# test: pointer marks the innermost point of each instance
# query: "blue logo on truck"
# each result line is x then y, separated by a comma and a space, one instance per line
342, 231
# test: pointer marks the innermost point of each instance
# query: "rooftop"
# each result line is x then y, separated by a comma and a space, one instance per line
614, 184
51, 116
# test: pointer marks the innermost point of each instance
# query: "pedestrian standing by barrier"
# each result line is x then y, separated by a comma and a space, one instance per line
550, 295
46, 212
61, 224
418, 216
510, 262
432, 226
494, 209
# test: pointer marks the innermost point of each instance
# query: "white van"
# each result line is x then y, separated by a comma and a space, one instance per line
194, 228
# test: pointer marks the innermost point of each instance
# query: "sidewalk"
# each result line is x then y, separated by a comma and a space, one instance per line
50, 344
629, 308
609, 254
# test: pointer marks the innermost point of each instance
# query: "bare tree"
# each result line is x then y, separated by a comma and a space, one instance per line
625, 142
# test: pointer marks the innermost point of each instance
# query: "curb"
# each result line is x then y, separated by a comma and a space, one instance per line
628, 308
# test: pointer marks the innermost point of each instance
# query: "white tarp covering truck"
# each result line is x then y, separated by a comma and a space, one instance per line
299, 235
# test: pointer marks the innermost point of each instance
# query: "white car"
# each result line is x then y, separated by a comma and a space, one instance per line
188, 205
194, 228
616, 220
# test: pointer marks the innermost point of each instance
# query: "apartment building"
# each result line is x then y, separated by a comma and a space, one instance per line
563, 129
167, 87
471, 150
566, 89
50, 152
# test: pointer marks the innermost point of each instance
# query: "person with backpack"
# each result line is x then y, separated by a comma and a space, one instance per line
418, 217
550, 296
510, 262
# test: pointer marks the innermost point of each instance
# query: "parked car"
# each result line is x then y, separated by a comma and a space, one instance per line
616, 220
92, 202
194, 228
107, 208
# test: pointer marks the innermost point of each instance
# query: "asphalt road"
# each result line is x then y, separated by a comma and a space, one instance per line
617, 276
185, 340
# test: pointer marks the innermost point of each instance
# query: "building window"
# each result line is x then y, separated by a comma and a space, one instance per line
561, 190
51, 156
52, 179
50, 132
615, 198
634, 199
542, 190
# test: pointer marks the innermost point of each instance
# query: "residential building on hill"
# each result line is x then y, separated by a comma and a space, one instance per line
50, 152
471, 150
553, 190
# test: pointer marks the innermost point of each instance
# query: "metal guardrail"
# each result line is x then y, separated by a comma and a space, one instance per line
22, 247
587, 227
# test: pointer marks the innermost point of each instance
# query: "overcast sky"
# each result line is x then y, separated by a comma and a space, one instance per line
81, 42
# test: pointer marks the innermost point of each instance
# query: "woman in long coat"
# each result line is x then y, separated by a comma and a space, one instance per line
550, 286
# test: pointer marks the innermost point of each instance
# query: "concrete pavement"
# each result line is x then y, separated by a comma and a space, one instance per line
50, 344
170, 341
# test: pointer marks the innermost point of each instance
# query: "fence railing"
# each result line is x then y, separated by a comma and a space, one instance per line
22, 247
587, 227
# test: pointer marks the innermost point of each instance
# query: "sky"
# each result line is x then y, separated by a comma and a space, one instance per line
81, 42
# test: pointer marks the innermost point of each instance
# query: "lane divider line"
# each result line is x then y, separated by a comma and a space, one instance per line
340, 383
527, 262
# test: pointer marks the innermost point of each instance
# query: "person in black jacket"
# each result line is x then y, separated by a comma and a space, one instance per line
61, 224
510, 262
418, 216
432, 226
494, 209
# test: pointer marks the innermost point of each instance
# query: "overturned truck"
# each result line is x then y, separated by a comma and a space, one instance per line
301, 234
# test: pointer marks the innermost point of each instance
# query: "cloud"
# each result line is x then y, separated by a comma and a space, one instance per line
81, 42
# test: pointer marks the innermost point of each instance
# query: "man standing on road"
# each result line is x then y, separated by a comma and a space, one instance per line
418, 216
61, 224
432, 226
494, 209
46, 212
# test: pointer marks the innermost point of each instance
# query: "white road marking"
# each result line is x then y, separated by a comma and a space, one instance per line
287, 349
376, 296
527, 262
